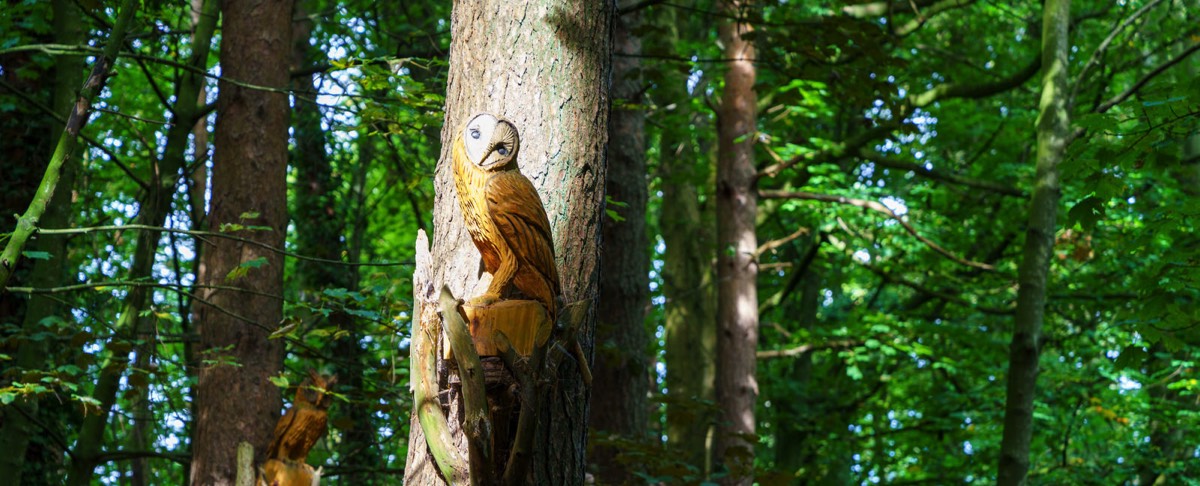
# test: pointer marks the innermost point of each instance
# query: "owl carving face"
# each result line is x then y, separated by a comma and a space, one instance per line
491, 143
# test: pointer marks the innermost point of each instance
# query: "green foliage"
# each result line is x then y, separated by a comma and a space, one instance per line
902, 365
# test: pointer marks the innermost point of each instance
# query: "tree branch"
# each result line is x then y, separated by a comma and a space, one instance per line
67, 142
879, 159
837, 151
87, 138
477, 424
804, 349
976, 91
1120, 98
878, 207
93, 229
1103, 48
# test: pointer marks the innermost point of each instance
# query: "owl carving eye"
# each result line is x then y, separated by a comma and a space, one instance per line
502, 150
475, 133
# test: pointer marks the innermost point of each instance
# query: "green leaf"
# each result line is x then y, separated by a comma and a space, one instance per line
1087, 213
280, 380
243, 268
36, 255
1131, 357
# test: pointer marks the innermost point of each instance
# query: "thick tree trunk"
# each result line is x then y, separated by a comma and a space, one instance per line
737, 270
1052, 130
619, 405
235, 401
321, 223
545, 66
16, 426
687, 273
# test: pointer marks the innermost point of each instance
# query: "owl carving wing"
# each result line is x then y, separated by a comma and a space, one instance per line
299, 429
521, 221
297, 432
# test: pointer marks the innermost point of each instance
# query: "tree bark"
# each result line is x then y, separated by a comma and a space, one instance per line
68, 142
619, 405
154, 209
321, 223
737, 270
544, 65
793, 434
687, 273
16, 428
1053, 128
235, 401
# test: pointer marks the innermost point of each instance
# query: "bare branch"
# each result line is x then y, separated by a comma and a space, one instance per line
890, 162
804, 349
976, 91
1103, 48
878, 207
215, 234
1120, 98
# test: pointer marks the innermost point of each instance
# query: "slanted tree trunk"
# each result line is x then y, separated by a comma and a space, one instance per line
155, 206
688, 282
16, 428
235, 401
544, 65
737, 270
619, 405
1052, 131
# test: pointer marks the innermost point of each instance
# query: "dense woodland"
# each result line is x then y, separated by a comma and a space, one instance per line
817, 242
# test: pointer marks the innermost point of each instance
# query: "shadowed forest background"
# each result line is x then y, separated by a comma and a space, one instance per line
843, 242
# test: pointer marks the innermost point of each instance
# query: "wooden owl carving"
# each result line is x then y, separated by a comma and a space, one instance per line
503, 213
304, 422
276, 472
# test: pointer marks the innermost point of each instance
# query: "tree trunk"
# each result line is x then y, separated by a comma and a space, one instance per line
16, 426
545, 66
737, 300
794, 442
321, 222
619, 405
1052, 130
687, 272
235, 401
154, 209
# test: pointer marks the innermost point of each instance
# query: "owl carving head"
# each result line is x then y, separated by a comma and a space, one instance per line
491, 143
315, 390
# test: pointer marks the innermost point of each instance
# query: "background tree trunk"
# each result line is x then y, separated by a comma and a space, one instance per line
1052, 131
235, 401
687, 273
16, 426
737, 270
619, 405
322, 237
545, 65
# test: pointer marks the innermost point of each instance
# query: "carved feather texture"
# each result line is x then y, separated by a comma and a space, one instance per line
305, 421
504, 215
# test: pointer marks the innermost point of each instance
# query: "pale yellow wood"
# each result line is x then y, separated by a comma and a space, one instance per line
524, 322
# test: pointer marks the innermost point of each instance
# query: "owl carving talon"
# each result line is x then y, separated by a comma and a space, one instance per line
503, 213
